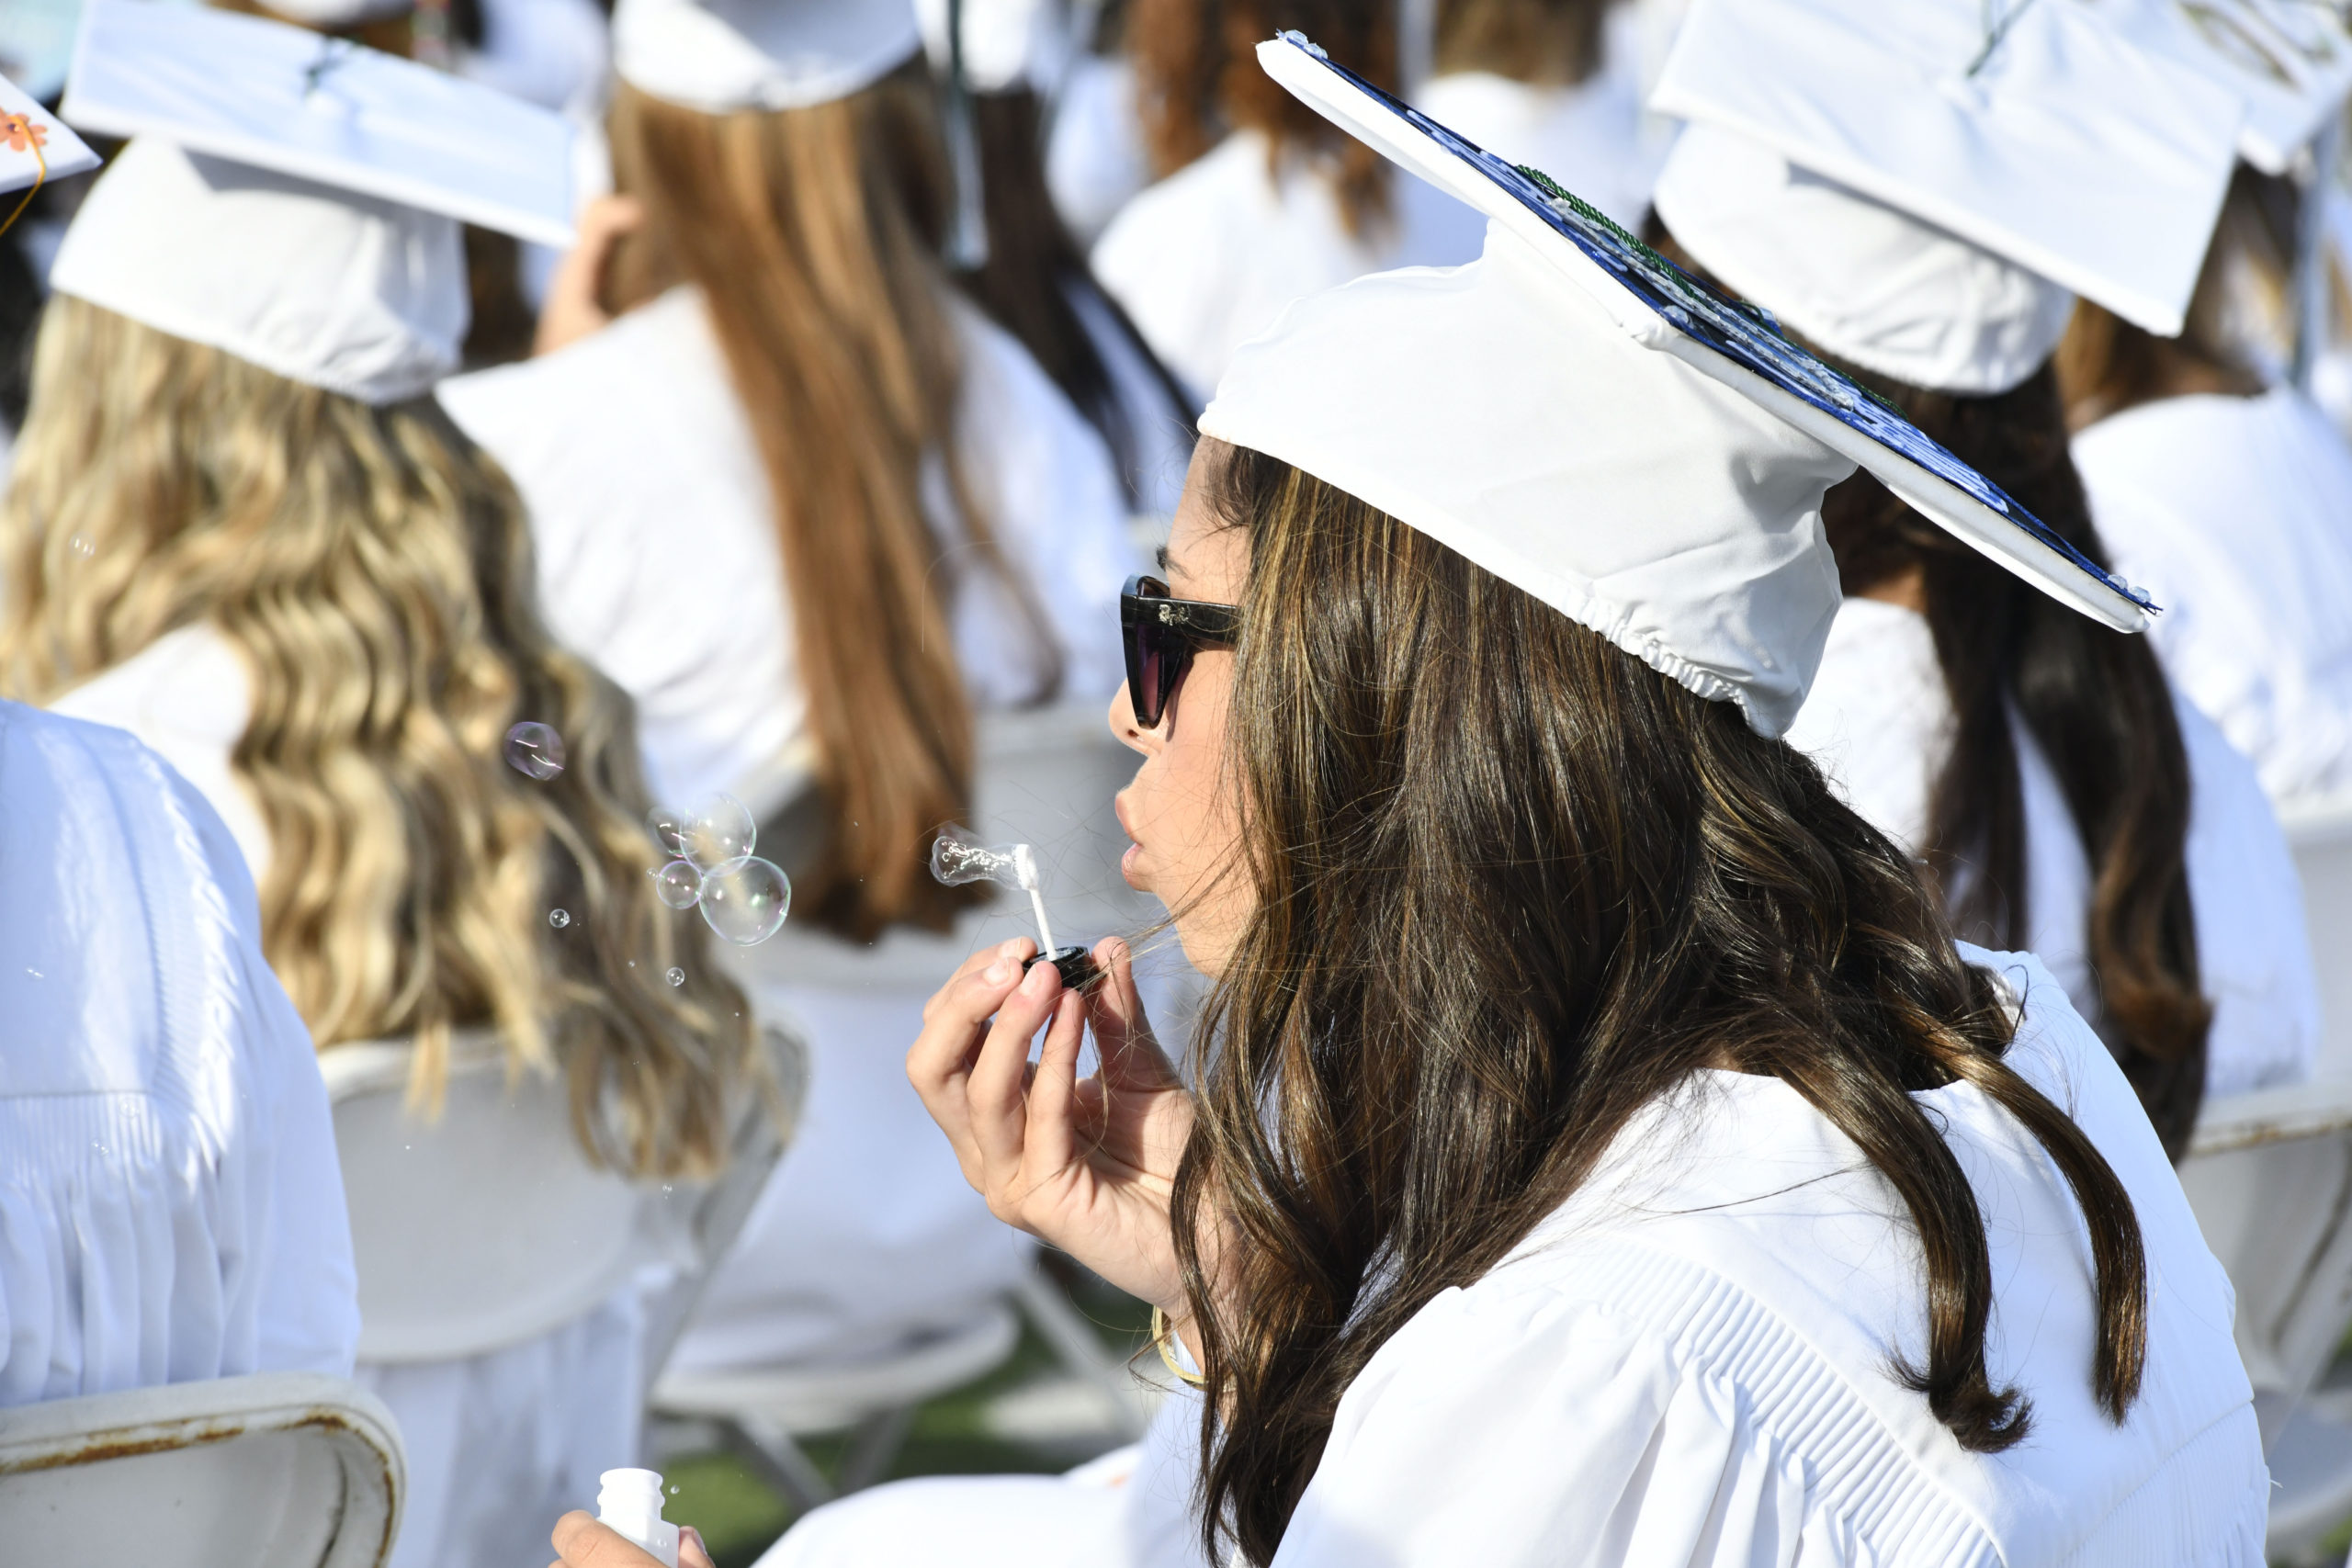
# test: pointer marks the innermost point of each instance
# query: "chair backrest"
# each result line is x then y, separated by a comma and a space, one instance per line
482, 1226
709, 1217
2270, 1174
2320, 836
285, 1469
1044, 777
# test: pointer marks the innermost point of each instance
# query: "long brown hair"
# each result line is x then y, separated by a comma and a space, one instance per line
1032, 272
2096, 703
1513, 886
373, 569
811, 234
1197, 77
1556, 42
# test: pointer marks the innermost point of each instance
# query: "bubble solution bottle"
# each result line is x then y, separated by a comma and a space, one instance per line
630, 1504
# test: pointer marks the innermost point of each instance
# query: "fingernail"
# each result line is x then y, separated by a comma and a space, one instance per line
1041, 975
1000, 972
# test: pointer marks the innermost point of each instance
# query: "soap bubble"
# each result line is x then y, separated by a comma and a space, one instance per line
746, 901
535, 750
669, 831
957, 857
559, 918
676, 976
678, 885
720, 830
83, 544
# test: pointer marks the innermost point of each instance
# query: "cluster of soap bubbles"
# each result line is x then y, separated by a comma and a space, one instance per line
710, 866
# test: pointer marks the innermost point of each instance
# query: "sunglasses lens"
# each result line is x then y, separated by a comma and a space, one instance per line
1144, 666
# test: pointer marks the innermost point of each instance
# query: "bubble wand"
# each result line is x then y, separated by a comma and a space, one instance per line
957, 857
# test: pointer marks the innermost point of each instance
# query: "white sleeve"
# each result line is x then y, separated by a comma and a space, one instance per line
306, 1303
1528, 1429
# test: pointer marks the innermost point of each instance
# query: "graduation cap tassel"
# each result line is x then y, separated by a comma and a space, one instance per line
967, 231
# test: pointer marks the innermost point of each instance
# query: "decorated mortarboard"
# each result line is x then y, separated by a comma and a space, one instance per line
723, 56
1578, 414
35, 148
2033, 129
294, 200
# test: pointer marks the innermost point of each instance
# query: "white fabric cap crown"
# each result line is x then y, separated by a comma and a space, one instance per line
722, 56
2046, 138
1579, 419
1859, 279
38, 149
294, 200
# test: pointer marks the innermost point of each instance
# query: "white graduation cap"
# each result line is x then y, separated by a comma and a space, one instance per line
1866, 282
34, 148
2289, 60
2031, 128
1585, 421
294, 200
721, 56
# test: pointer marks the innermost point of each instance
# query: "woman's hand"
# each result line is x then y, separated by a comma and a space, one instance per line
582, 1542
574, 307
1086, 1164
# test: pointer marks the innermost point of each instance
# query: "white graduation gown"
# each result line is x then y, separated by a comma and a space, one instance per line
1692, 1364
1094, 154
2236, 514
170, 1205
1205, 259
658, 557
493, 1441
1879, 722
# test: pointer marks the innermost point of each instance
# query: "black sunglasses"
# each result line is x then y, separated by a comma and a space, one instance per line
1162, 635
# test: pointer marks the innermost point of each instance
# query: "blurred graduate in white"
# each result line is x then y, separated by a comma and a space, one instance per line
1552, 84
171, 1208
2223, 488
2059, 791
814, 511
240, 528
1258, 202
1014, 256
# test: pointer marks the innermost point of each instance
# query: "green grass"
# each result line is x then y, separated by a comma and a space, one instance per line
739, 1517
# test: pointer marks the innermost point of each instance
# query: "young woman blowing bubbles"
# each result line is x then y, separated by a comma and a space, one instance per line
1602, 1151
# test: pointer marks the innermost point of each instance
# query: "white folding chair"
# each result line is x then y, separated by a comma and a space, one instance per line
2320, 837
485, 1225
1044, 777
284, 1469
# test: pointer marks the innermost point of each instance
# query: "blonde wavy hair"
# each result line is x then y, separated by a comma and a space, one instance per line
374, 570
